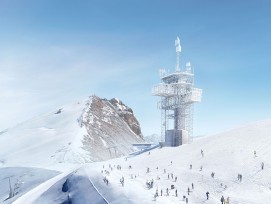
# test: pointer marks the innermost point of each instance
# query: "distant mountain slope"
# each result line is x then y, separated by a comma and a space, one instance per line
91, 130
153, 139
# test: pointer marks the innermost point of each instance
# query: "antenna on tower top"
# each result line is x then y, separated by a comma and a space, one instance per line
178, 51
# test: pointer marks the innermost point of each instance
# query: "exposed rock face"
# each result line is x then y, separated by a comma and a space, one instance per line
111, 127
127, 114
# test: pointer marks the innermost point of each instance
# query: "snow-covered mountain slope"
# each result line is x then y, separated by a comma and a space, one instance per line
226, 154
91, 130
19, 180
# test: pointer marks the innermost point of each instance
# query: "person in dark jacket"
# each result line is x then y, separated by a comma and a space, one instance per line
207, 195
222, 200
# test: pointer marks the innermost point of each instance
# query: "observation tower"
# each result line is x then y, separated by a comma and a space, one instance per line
178, 95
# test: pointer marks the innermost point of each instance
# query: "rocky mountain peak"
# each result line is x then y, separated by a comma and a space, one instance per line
127, 114
111, 125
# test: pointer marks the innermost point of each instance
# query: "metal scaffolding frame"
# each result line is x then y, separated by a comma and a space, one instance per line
178, 95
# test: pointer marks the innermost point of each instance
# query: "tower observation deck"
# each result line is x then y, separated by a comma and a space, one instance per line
178, 95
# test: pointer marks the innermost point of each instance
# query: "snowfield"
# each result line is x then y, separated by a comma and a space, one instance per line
48, 139
227, 155
22, 180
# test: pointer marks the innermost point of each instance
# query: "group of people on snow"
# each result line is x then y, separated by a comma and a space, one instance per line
150, 184
225, 201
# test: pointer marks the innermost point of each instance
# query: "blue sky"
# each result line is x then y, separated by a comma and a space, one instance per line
57, 52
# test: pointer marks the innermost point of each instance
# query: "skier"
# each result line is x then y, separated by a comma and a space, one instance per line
190, 166
167, 191
151, 183
255, 154
69, 199
207, 195
262, 165
148, 184
188, 190
213, 174
202, 153
200, 168
176, 193
222, 200
122, 181
175, 178
192, 186
186, 200
228, 200
154, 197
161, 192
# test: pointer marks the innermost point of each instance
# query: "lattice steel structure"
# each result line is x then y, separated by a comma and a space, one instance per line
178, 95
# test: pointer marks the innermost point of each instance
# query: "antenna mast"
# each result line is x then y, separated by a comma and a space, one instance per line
178, 51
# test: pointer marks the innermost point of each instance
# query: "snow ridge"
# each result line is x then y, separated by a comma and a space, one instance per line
86, 131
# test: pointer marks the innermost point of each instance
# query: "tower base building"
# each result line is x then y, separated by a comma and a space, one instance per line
176, 138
